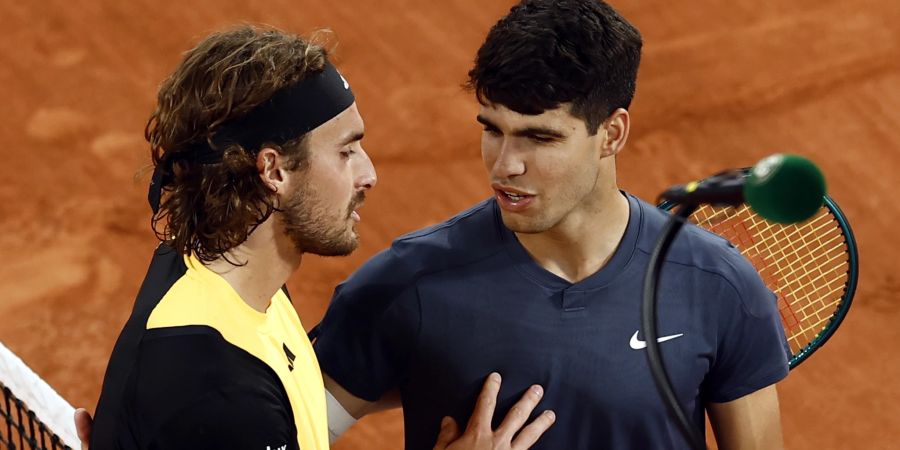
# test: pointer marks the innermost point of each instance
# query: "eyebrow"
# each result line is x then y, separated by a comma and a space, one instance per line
352, 137
524, 132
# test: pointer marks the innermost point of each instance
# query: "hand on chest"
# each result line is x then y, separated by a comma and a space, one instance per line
595, 352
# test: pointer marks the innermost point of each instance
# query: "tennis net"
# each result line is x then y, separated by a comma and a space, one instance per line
32, 415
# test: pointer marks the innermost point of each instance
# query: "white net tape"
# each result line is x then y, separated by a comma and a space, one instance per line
49, 407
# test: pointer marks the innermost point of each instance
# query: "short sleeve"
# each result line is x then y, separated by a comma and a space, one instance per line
370, 329
225, 420
752, 351
195, 391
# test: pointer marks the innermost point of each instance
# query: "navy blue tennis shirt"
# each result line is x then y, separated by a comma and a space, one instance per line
443, 307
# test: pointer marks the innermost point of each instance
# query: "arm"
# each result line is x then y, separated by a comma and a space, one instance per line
748, 423
368, 334
239, 419
214, 424
356, 406
344, 408
752, 355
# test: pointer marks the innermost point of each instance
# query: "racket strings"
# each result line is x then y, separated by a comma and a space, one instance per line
745, 214
821, 261
791, 240
819, 324
806, 265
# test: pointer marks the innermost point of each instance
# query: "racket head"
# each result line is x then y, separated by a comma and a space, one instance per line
812, 267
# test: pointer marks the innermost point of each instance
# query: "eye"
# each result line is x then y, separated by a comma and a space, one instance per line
542, 139
492, 131
347, 153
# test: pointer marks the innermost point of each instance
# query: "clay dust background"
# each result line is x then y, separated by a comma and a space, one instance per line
722, 84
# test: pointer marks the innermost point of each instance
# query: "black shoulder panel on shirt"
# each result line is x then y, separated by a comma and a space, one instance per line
196, 390
166, 267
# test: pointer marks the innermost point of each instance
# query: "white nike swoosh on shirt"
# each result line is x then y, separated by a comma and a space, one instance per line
638, 344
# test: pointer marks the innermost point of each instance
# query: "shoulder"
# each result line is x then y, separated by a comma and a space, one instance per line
709, 256
469, 236
223, 415
469, 223
193, 389
216, 423
382, 296
177, 365
693, 246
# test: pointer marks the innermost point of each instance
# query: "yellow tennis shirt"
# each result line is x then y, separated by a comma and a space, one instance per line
196, 367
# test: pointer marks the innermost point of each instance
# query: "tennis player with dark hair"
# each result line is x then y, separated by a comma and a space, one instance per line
543, 281
256, 144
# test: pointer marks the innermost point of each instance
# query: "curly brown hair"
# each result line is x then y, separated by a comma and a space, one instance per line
210, 208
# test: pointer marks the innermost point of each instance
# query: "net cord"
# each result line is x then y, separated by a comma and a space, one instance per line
46, 404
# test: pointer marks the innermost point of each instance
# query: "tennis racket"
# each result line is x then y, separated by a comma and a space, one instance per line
811, 266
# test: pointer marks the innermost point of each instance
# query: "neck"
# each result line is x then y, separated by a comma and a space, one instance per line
268, 259
584, 241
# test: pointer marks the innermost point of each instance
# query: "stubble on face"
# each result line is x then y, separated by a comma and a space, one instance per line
554, 204
548, 158
317, 226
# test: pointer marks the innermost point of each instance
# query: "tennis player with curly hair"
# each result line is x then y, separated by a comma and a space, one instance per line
256, 142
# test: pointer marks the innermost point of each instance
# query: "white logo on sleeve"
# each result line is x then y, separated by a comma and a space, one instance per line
638, 344
283, 447
346, 85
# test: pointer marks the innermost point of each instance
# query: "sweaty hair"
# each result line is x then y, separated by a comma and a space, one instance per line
210, 208
548, 52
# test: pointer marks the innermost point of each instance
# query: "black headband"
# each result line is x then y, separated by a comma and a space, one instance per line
292, 112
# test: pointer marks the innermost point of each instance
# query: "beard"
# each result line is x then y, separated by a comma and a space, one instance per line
318, 227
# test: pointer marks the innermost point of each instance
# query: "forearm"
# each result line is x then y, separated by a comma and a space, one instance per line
344, 409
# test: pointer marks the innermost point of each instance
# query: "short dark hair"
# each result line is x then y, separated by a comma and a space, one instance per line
548, 52
208, 209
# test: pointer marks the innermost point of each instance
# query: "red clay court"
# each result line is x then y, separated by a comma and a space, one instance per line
722, 84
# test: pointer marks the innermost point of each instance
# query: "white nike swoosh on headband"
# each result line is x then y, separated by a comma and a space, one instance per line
638, 344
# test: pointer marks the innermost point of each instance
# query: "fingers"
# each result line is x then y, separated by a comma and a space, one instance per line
484, 408
83, 425
518, 415
449, 433
534, 430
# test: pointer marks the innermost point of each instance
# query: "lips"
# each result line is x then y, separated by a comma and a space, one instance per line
513, 200
354, 205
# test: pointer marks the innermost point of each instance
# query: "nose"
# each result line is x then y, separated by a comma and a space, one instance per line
509, 162
365, 174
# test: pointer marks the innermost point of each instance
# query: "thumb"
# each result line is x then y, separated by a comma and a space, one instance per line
449, 433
